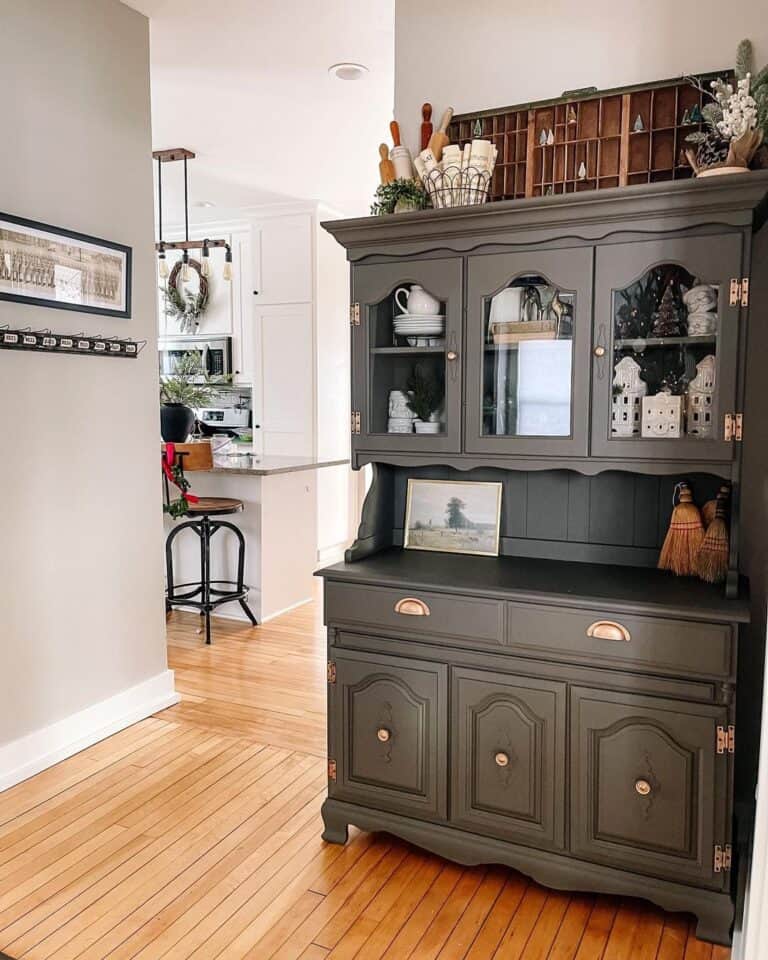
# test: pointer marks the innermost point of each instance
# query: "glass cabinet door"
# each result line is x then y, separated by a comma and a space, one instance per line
665, 350
406, 356
528, 329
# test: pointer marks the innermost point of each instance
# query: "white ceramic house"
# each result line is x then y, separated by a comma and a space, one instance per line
627, 404
662, 415
701, 391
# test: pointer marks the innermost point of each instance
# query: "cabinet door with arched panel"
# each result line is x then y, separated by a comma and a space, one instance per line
406, 348
665, 351
649, 791
528, 340
508, 757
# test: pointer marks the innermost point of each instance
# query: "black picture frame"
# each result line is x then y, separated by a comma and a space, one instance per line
56, 233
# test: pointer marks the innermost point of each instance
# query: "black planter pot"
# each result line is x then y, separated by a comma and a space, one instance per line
176, 422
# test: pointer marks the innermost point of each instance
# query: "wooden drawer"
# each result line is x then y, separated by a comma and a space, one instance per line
406, 614
647, 644
388, 724
649, 792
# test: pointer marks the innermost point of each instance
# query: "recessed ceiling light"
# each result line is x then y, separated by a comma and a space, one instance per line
203, 203
348, 71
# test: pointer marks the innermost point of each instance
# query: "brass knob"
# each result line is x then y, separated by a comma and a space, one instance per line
452, 355
599, 351
608, 630
383, 734
642, 787
502, 759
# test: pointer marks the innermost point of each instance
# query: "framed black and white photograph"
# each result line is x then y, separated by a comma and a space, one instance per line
52, 267
453, 516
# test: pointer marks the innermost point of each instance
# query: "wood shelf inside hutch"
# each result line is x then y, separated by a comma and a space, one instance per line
594, 144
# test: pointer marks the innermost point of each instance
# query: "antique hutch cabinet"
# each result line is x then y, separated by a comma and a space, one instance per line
565, 708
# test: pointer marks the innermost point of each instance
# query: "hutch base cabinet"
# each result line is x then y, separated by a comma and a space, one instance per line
565, 708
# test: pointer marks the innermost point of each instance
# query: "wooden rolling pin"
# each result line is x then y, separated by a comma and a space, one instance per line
426, 125
394, 129
439, 138
386, 167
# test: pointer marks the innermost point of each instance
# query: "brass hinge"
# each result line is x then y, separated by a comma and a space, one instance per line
355, 421
722, 858
726, 739
354, 314
739, 292
332, 770
332, 672
733, 426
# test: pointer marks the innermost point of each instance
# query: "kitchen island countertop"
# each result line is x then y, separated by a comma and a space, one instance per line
250, 465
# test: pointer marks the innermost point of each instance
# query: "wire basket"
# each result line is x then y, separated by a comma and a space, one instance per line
457, 187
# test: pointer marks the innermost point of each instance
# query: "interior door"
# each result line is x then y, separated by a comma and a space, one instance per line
389, 719
508, 743
527, 364
665, 348
648, 788
407, 356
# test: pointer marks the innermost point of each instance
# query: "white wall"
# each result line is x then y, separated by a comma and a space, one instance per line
495, 53
81, 580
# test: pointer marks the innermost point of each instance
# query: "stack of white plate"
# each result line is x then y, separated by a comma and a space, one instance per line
419, 325
400, 425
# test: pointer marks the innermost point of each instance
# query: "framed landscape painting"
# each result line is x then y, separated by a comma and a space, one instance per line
52, 267
453, 516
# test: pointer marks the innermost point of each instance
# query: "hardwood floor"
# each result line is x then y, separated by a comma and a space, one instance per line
196, 834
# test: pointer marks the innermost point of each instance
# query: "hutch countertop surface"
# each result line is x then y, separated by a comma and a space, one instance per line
250, 465
619, 588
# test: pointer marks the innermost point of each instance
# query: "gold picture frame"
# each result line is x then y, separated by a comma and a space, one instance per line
453, 516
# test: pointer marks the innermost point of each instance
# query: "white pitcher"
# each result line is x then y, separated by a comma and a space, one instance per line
418, 301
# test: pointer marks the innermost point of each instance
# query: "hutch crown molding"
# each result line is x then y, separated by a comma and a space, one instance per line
566, 708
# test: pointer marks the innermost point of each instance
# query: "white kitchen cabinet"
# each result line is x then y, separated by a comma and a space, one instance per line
282, 259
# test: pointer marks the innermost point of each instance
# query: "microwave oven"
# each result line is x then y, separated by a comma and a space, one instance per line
215, 354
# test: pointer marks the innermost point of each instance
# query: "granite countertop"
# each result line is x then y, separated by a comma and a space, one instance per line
247, 464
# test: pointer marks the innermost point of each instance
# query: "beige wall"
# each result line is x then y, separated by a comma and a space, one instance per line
494, 53
81, 579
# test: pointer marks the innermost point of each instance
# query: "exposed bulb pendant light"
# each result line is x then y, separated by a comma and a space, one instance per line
185, 245
162, 263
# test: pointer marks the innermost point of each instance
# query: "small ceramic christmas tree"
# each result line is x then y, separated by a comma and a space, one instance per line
666, 321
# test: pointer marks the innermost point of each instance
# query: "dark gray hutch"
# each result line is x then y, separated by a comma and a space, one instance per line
566, 708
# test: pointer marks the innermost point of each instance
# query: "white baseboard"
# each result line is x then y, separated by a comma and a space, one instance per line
293, 606
28, 755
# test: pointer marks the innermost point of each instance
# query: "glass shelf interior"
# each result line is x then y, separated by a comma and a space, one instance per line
528, 360
665, 331
407, 362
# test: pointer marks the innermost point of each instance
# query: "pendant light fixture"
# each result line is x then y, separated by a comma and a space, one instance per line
185, 245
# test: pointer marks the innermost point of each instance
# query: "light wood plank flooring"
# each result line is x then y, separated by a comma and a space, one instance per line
196, 834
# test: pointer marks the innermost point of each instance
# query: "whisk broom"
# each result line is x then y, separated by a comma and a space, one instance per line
709, 508
684, 537
712, 559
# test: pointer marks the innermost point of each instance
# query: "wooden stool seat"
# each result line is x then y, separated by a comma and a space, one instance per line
215, 506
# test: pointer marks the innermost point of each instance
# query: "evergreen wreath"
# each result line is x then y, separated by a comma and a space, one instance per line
185, 307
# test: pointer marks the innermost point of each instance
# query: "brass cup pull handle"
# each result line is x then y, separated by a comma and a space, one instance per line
642, 787
501, 759
608, 630
599, 351
412, 607
383, 734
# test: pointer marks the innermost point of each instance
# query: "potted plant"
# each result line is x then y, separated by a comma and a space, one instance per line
399, 196
736, 120
188, 387
425, 394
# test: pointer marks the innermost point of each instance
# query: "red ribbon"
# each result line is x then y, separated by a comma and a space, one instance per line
169, 458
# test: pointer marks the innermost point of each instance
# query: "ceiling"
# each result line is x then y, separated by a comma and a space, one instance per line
245, 84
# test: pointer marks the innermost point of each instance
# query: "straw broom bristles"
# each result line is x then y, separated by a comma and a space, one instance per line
712, 560
684, 537
710, 507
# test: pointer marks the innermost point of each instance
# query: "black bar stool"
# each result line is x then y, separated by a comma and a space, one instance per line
204, 513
